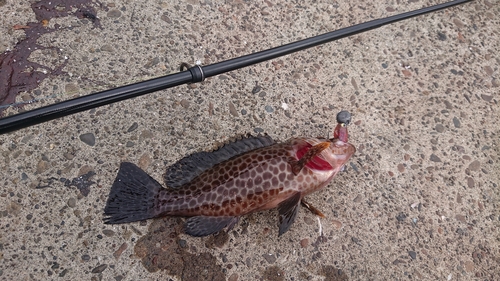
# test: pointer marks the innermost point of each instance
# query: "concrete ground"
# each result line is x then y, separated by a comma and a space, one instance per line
419, 200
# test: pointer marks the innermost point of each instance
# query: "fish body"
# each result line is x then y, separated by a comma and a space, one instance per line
257, 180
246, 176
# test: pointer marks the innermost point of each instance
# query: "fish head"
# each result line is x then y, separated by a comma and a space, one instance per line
338, 153
340, 149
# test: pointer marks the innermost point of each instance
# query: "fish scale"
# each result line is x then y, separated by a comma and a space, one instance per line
249, 175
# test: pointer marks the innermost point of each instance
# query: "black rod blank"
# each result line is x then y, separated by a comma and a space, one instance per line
195, 74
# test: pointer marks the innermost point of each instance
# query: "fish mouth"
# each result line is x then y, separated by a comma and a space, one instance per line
339, 147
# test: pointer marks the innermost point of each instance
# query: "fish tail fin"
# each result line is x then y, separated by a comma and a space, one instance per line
132, 196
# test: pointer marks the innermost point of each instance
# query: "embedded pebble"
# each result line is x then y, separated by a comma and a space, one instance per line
256, 89
107, 48
185, 103
71, 88
100, 268
470, 182
461, 218
441, 36
182, 243
269, 108
146, 134
164, 17
487, 98
358, 198
232, 109
412, 254
42, 166
304, 243
145, 161
233, 277
401, 168
469, 266
435, 158
456, 122
270, 258
439, 128
401, 217
120, 250
71, 202
108, 232
133, 127
474, 166
337, 224
114, 13
88, 139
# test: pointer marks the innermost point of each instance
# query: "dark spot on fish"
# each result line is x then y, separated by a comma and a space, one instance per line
266, 185
275, 181
233, 191
282, 167
192, 203
257, 180
200, 198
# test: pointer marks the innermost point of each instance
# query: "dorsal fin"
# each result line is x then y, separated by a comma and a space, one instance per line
186, 169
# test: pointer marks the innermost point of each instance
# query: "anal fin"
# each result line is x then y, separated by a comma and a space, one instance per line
310, 154
313, 209
288, 211
203, 225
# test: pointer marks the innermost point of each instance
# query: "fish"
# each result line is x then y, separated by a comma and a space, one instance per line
214, 189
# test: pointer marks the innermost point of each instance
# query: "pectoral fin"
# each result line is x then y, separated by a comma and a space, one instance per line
310, 154
203, 225
288, 211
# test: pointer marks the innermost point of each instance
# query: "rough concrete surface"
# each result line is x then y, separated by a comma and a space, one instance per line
418, 201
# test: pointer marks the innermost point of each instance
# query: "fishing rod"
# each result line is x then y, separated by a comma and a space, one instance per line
196, 73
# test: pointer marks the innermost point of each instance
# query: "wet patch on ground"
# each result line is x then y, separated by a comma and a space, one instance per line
82, 182
17, 73
274, 273
162, 249
332, 273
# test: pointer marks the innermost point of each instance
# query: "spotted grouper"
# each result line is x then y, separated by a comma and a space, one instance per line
214, 189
